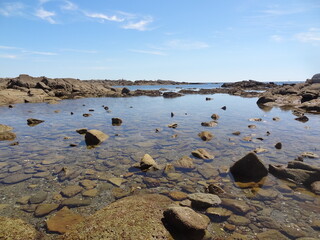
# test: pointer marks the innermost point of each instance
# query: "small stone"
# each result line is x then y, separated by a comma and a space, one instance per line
316, 224
204, 200
215, 189
39, 197
169, 168
202, 154
16, 178
116, 121
23, 200
209, 124
293, 231
45, 209
177, 195
173, 125
302, 119
238, 220
215, 116
185, 163
247, 138
90, 193
255, 119
237, 206
276, 119
229, 227
14, 169
315, 187
147, 162
237, 133
95, 137
116, 181
151, 182
224, 108
71, 191
205, 135
82, 131
63, 220
252, 126
260, 150
88, 184
33, 122
266, 194
309, 155
75, 202
42, 175
278, 145
120, 193
218, 213
86, 115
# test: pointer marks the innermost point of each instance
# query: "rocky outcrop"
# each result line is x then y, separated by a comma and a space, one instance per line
134, 217
248, 169
251, 84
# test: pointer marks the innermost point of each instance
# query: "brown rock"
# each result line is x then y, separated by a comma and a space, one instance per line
116, 121
88, 184
177, 195
90, 193
202, 154
205, 135
271, 235
95, 137
185, 163
315, 187
63, 220
237, 206
45, 209
71, 191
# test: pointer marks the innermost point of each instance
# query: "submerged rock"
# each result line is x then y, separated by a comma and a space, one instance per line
171, 94
202, 154
204, 200
134, 217
205, 135
95, 137
147, 162
249, 168
185, 163
17, 229
6, 134
16, 178
33, 122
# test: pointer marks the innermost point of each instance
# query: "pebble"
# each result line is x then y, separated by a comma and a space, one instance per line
120, 193
116, 181
271, 235
236, 206
23, 200
202, 154
218, 213
238, 220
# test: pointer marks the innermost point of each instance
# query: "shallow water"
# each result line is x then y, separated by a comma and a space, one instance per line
136, 136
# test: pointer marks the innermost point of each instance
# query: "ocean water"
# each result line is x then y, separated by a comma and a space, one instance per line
137, 136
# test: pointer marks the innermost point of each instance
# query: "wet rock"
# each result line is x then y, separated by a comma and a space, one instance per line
218, 213
172, 114
30, 208
177, 195
208, 99
11, 144
266, 194
63, 220
315, 187
16, 178
134, 217
293, 231
82, 131
229, 227
39, 197
309, 155
86, 114
116, 121
33, 122
255, 119
271, 235
278, 145
205, 135
67, 174
238, 220
236, 206
185, 163
95, 137
249, 168
247, 139
302, 119
252, 126
237, 133
215, 189
202, 154
265, 99
71, 191
88, 184
204, 200
267, 222
276, 119
185, 219
116, 181
215, 116
260, 150
44, 209
151, 182
315, 224
209, 124
224, 108
23, 200
75, 202
7, 136
17, 229
173, 125
171, 94
14, 169
207, 171
90, 193
147, 162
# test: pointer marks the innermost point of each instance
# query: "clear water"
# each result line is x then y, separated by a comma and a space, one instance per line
136, 136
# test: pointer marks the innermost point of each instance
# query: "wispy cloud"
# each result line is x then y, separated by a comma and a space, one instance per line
141, 25
104, 17
39, 53
159, 53
277, 38
45, 15
186, 44
9, 48
69, 6
78, 50
282, 12
312, 35
8, 56
11, 9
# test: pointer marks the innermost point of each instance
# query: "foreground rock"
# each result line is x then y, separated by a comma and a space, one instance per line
17, 229
248, 169
134, 217
147, 163
95, 137
6, 134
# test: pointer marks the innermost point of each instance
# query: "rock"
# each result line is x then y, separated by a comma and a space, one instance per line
71, 191
171, 94
151, 182
238, 220
23, 200
134, 217
255, 119
278, 145
116, 121
302, 119
185, 163
202, 154
215, 189
205, 135
252, 126
293, 231
95, 137
177, 195
88, 184
265, 99
276, 119
173, 125
237, 133
39, 197
204, 200
63, 220
229, 227
271, 235
236, 206
218, 213
209, 124
224, 108
75, 202
82, 131
44, 209
266, 194
215, 116
185, 219
33, 122
315, 187
5, 128
7, 136
208, 99
249, 168
120, 193
315, 224
208, 171
116, 181
86, 114
16, 178
147, 162
309, 155
17, 229
260, 150
125, 90
90, 193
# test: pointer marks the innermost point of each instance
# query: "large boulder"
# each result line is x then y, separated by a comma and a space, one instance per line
134, 217
95, 137
248, 169
315, 78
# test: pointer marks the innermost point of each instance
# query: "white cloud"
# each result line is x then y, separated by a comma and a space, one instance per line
45, 15
8, 56
104, 17
159, 53
312, 35
77, 50
277, 38
141, 25
11, 9
39, 53
9, 47
69, 6
186, 44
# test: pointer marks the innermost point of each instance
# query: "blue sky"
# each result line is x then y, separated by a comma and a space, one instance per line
181, 40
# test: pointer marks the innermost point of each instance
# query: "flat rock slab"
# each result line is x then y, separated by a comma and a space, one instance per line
45, 209
17, 229
16, 178
202, 154
271, 235
75, 202
236, 206
134, 217
39, 197
186, 219
63, 220
204, 200
185, 163
71, 191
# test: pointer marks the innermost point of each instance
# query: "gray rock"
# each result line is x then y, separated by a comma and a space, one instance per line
249, 168
184, 163
39, 197
95, 137
204, 200
16, 178
236, 206
315, 187
271, 235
